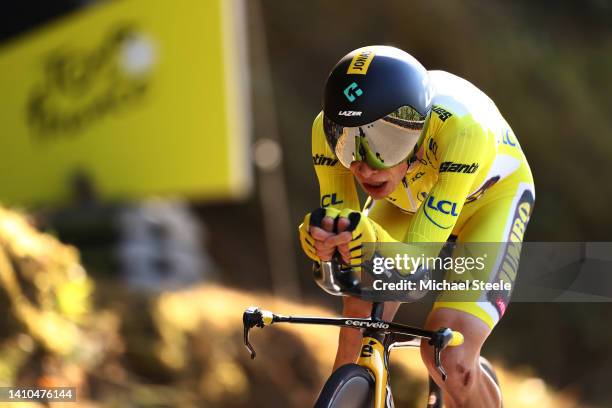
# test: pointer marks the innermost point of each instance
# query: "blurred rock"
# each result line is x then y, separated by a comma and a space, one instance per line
50, 335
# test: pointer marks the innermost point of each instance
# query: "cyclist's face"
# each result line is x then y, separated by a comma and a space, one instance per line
378, 183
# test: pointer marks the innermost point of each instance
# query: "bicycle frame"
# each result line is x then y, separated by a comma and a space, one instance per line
374, 356
379, 337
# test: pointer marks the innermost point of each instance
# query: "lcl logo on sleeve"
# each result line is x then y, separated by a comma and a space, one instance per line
434, 207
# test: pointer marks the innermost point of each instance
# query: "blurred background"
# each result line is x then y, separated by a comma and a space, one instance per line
156, 163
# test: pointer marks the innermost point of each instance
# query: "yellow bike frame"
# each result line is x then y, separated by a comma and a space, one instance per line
372, 357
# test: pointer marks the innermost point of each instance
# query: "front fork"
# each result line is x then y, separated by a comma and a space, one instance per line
374, 356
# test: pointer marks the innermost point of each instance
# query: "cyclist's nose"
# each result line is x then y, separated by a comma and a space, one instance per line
363, 169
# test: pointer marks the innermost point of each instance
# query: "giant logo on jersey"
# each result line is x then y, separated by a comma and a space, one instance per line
452, 167
439, 211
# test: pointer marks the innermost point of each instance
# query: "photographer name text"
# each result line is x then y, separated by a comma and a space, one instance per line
442, 285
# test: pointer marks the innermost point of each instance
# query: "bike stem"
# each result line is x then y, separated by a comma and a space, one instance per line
377, 311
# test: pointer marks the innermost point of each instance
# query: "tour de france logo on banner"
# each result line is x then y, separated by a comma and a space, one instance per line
136, 99
82, 86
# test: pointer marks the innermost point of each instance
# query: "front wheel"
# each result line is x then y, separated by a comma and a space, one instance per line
350, 386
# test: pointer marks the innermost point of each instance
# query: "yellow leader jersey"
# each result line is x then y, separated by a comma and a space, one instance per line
467, 156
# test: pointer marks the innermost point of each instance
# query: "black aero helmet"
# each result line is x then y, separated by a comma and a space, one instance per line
375, 104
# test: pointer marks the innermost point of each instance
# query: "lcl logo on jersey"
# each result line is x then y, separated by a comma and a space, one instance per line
507, 140
330, 199
445, 207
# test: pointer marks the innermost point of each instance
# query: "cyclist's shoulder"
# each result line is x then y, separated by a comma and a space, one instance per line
461, 103
317, 123
462, 113
455, 92
317, 128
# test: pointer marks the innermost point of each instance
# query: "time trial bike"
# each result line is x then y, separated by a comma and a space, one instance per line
366, 382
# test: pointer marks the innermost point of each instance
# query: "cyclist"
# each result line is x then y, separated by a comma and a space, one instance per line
438, 162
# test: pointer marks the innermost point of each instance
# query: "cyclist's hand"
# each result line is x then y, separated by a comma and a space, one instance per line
345, 239
362, 230
317, 238
326, 243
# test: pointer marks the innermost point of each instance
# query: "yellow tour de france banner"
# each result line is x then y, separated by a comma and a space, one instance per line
142, 97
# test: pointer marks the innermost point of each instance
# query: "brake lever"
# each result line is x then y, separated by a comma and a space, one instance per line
248, 344
440, 340
251, 317
439, 367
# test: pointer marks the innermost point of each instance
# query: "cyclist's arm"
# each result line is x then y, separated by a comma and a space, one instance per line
462, 152
436, 218
336, 183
